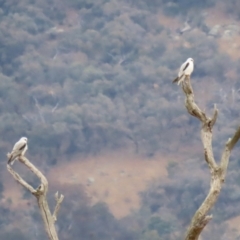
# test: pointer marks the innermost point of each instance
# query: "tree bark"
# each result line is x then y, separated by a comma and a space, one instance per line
217, 171
41, 195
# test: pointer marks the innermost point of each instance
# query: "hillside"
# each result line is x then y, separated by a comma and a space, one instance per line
116, 178
89, 83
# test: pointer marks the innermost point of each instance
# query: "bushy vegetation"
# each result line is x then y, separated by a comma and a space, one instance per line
85, 76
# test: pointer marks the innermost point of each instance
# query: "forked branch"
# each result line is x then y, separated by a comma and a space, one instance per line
41, 195
59, 200
218, 172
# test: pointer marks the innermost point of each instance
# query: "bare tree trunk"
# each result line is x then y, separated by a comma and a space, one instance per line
217, 171
41, 194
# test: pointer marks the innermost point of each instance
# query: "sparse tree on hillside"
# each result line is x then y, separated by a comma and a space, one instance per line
40, 193
217, 171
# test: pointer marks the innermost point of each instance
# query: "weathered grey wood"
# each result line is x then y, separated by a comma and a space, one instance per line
218, 172
41, 194
59, 200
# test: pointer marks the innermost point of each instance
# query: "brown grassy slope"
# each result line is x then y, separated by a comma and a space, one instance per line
115, 178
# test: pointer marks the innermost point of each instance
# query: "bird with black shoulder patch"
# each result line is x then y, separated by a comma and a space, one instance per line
19, 149
185, 70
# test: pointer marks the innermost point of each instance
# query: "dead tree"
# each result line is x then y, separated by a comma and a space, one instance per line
40, 193
217, 171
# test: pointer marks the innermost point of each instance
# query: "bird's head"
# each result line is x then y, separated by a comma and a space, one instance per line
24, 139
190, 60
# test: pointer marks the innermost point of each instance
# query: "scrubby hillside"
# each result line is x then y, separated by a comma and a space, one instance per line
81, 79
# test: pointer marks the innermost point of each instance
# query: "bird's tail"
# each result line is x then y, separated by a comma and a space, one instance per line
9, 156
181, 79
175, 80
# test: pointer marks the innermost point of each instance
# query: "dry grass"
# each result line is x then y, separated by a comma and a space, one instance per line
234, 223
117, 178
217, 15
169, 22
230, 46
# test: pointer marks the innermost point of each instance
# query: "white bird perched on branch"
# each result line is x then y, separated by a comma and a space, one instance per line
19, 149
185, 70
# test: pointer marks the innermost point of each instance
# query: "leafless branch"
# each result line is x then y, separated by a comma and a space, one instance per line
39, 109
41, 195
20, 180
59, 200
55, 108
26, 118
218, 172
